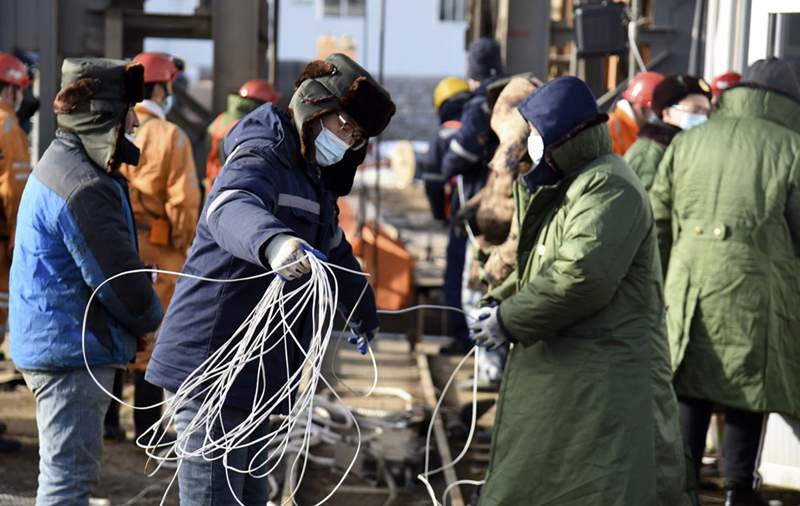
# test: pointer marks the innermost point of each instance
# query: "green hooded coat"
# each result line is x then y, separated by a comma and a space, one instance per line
586, 414
648, 150
727, 205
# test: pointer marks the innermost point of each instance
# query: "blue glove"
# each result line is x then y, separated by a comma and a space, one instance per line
486, 331
360, 339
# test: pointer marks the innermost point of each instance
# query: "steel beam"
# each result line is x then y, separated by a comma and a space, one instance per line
171, 26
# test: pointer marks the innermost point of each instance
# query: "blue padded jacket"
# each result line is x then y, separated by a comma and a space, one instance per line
75, 229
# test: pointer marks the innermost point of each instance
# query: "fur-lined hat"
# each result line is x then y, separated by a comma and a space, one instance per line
339, 84
675, 88
95, 96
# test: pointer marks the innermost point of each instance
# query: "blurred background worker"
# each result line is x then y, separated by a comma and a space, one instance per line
727, 205
252, 94
722, 82
467, 157
76, 230
15, 167
632, 111
679, 102
449, 98
165, 197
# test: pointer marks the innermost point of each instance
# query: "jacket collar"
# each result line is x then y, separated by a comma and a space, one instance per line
151, 107
752, 102
239, 107
580, 146
659, 132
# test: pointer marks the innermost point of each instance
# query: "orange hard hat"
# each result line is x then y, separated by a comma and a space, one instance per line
259, 89
158, 67
724, 81
13, 71
640, 88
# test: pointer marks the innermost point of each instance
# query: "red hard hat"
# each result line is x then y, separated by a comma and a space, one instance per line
724, 81
13, 71
158, 67
259, 89
640, 88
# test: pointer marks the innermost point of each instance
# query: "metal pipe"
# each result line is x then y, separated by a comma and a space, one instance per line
697, 24
381, 58
634, 39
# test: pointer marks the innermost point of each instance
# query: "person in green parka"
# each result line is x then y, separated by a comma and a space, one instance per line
679, 102
586, 414
726, 201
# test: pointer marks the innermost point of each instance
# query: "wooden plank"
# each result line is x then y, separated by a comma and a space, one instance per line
439, 433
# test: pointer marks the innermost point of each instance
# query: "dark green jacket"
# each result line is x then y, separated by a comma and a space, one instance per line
727, 204
586, 414
648, 150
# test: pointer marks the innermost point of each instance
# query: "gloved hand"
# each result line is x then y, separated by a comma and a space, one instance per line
288, 255
360, 338
486, 331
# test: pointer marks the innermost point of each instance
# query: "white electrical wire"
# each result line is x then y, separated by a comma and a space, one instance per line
269, 326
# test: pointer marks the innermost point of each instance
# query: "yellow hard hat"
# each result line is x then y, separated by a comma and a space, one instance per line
448, 88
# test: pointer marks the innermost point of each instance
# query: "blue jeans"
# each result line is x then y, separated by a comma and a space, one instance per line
69, 414
204, 483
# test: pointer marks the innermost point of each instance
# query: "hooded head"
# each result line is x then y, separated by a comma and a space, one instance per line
96, 95
484, 59
558, 111
774, 74
339, 85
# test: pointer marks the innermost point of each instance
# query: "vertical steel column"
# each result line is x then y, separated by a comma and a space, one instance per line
50, 74
114, 32
239, 45
523, 30
273, 41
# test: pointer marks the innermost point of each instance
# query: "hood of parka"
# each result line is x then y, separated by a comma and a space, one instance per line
95, 96
338, 84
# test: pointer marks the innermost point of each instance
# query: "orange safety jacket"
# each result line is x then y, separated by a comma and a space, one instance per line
624, 130
165, 197
15, 167
217, 131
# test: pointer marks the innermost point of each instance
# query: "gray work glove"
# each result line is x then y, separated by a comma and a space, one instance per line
288, 255
486, 331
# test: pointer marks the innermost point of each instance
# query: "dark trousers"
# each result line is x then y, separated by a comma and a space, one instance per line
145, 394
111, 420
453, 274
740, 442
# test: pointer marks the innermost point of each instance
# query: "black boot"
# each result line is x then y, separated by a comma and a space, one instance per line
744, 497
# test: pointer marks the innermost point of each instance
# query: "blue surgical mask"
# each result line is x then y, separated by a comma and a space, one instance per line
535, 149
692, 120
330, 148
169, 103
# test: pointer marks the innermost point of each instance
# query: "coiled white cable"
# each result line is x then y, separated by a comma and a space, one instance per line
268, 326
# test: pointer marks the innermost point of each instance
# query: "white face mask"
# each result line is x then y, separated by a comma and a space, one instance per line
535, 148
690, 120
329, 148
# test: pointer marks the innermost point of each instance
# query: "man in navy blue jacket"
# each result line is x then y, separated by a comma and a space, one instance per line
467, 156
75, 230
274, 199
